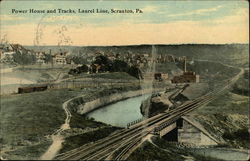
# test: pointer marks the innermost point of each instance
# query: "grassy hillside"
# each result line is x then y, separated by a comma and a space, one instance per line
242, 85
26, 120
226, 118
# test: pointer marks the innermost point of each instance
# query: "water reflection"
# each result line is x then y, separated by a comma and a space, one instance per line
120, 113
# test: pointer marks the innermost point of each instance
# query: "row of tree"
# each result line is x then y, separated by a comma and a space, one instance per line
25, 58
103, 64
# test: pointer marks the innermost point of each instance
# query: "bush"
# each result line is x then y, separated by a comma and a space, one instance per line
241, 134
81, 69
135, 72
119, 66
24, 58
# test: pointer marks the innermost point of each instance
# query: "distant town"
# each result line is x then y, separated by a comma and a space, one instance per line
89, 63
10, 51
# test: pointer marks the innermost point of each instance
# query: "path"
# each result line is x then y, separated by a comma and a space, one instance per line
57, 138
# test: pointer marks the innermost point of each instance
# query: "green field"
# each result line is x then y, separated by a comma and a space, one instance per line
114, 75
79, 140
26, 119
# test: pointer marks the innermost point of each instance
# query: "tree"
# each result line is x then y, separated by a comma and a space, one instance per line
48, 58
135, 72
24, 58
101, 60
119, 66
82, 69
79, 60
104, 62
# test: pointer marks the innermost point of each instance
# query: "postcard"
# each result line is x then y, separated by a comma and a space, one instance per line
124, 80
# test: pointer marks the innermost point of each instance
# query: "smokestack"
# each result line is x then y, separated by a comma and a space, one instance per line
185, 64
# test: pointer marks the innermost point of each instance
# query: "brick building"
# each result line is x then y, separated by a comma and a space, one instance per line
187, 76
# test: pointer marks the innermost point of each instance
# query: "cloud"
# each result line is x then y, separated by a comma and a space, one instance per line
196, 12
11, 18
238, 17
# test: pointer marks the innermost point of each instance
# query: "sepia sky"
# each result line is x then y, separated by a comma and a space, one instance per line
162, 22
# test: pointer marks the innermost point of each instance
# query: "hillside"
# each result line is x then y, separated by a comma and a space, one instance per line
235, 54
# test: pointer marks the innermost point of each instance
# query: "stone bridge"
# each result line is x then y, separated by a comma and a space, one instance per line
186, 130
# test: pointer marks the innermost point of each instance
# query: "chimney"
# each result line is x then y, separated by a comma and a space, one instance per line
185, 65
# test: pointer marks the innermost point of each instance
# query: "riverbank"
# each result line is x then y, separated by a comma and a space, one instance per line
81, 106
155, 148
17, 76
102, 101
160, 149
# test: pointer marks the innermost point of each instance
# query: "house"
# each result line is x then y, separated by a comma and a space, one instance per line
111, 56
6, 56
164, 76
186, 77
40, 57
160, 76
146, 55
60, 58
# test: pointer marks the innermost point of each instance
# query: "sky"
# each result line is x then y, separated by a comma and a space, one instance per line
162, 22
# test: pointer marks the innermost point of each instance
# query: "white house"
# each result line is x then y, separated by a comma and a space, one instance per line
60, 58
40, 57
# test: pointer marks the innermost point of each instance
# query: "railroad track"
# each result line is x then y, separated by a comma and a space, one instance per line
141, 134
111, 146
89, 149
127, 151
211, 96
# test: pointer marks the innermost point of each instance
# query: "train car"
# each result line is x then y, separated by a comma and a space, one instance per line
32, 89
41, 88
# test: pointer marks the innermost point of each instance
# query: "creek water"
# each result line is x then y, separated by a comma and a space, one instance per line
120, 113
225, 154
9, 82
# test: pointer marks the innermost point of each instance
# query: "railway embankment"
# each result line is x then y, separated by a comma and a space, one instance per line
172, 97
81, 105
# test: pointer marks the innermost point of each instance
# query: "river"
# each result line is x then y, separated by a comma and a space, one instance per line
227, 154
121, 113
10, 80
